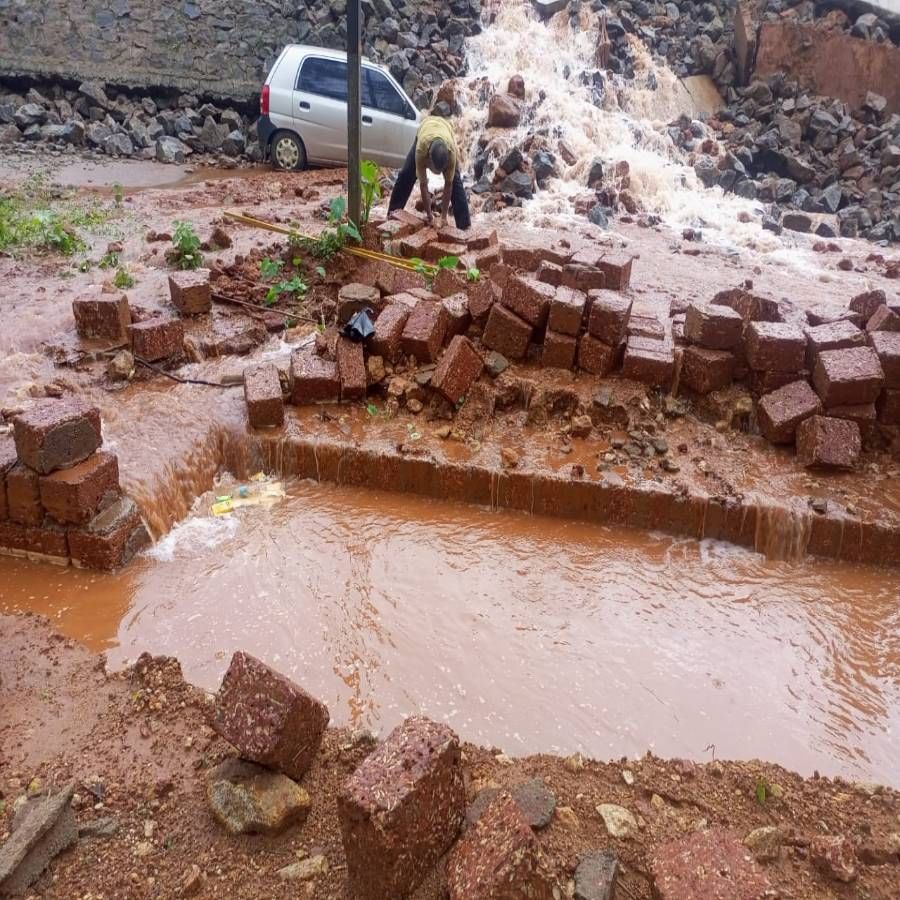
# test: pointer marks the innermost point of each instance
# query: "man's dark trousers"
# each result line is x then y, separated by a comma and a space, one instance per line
406, 181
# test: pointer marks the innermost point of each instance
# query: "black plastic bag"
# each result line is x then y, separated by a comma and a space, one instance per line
360, 327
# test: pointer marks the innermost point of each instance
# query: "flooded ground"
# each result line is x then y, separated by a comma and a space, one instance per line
530, 634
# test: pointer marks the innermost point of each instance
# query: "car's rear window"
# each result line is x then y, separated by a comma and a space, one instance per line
326, 77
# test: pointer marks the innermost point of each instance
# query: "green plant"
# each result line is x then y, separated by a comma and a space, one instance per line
473, 273
109, 260
269, 268
40, 216
335, 234
123, 278
371, 187
187, 246
118, 193
762, 791
295, 286
85, 265
448, 262
320, 271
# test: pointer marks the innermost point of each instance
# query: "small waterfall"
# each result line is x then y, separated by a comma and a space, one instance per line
168, 496
782, 533
597, 115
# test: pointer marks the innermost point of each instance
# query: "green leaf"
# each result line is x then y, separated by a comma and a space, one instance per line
372, 409
448, 262
473, 273
320, 271
761, 791
337, 209
269, 268
368, 171
350, 230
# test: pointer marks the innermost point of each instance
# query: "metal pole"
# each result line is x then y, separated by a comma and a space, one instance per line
354, 111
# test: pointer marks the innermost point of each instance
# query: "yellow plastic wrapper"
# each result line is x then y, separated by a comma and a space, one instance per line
258, 493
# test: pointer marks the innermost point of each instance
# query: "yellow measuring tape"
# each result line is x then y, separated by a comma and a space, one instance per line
374, 255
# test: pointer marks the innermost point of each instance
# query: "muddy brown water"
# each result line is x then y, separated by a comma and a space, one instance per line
526, 633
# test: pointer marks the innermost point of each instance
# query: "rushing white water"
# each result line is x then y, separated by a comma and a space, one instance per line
557, 62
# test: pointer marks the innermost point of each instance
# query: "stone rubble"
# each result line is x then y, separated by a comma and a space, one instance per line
401, 809
269, 719
59, 492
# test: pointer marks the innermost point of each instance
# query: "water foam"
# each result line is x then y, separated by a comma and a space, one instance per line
193, 537
629, 124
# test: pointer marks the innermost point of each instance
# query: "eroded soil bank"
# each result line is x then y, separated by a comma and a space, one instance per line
138, 745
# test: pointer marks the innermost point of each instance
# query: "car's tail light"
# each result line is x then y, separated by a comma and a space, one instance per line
264, 101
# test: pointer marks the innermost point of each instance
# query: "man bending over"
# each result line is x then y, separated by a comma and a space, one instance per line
435, 149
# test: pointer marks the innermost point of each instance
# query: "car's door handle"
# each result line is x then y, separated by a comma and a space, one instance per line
367, 120
303, 104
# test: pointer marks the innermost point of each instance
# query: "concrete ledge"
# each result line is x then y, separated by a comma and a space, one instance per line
782, 532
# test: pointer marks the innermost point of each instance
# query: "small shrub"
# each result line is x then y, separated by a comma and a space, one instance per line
187, 246
269, 268
371, 187
123, 278
295, 287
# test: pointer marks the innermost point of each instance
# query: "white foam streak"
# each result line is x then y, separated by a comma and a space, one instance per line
192, 537
557, 63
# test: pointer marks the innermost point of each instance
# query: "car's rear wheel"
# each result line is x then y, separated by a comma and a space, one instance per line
288, 152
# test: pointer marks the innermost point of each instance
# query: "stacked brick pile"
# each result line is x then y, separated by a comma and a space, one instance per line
403, 807
59, 492
108, 317
570, 310
529, 300
822, 386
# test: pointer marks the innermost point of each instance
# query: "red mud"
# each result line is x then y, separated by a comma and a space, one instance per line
138, 745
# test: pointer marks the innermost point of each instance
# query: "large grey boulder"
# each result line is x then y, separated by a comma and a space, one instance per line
30, 114
212, 135
171, 150
118, 145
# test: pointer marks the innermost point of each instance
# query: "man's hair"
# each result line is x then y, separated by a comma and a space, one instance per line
439, 156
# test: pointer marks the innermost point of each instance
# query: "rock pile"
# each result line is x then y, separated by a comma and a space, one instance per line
421, 44
693, 38
115, 123
806, 156
59, 492
399, 811
868, 26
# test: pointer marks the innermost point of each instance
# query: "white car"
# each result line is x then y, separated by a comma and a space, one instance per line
303, 111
